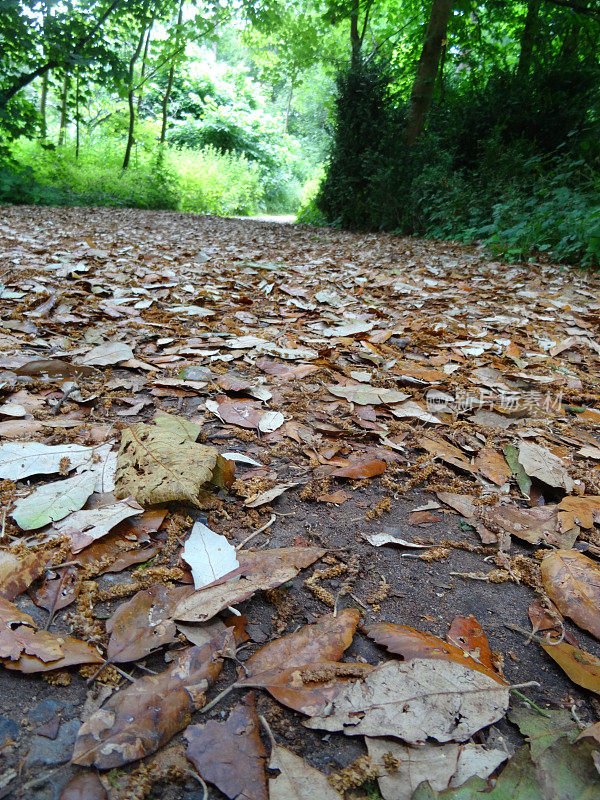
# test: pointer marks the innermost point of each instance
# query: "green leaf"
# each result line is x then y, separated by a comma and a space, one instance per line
511, 454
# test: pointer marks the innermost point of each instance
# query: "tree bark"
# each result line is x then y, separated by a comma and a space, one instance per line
427, 68
77, 120
167, 95
43, 101
62, 130
356, 34
131, 92
528, 37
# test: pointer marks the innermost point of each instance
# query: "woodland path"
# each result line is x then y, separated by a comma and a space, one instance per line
291, 347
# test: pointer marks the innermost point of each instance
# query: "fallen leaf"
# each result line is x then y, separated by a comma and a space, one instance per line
52, 502
413, 410
209, 555
363, 394
582, 511
324, 640
22, 459
106, 354
86, 786
144, 716
54, 368
26, 649
156, 465
582, 667
410, 643
270, 421
380, 539
178, 426
492, 465
541, 463
258, 570
522, 478
336, 498
85, 527
268, 496
143, 623
442, 765
366, 468
230, 754
297, 780
572, 581
414, 700
17, 572
467, 634
448, 453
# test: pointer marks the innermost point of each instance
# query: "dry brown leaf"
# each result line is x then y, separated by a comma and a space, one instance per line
364, 468
18, 572
467, 634
541, 463
583, 511
86, 786
572, 581
297, 780
447, 453
410, 643
230, 754
259, 570
143, 717
155, 465
143, 623
492, 465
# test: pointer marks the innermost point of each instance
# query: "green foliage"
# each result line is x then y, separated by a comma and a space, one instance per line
520, 176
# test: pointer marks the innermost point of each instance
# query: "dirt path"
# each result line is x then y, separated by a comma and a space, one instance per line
227, 320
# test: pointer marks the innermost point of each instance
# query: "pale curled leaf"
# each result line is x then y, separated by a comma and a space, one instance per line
52, 502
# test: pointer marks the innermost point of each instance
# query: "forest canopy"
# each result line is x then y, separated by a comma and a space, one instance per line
473, 121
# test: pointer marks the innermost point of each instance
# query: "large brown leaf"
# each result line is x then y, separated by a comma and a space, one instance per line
467, 634
410, 643
86, 786
230, 754
572, 581
143, 717
26, 649
258, 569
157, 465
324, 640
144, 623
364, 468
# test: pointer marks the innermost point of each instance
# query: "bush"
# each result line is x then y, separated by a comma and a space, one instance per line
515, 166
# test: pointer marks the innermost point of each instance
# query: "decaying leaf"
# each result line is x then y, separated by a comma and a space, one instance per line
442, 765
582, 667
86, 786
325, 640
541, 463
297, 780
143, 717
258, 570
362, 468
106, 354
25, 648
380, 539
492, 465
230, 754
22, 459
572, 581
416, 699
85, 527
410, 643
268, 496
143, 623
18, 572
156, 465
209, 555
363, 394
52, 502
467, 634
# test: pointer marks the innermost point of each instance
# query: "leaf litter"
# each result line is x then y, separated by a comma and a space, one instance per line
396, 373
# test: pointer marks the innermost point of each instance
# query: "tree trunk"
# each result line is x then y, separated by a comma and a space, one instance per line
289, 106
77, 121
427, 68
43, 101
528, 38
167, 94
356, 35
131, 92
143, 70
63, 110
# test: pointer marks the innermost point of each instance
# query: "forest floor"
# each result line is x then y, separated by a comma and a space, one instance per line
415, 424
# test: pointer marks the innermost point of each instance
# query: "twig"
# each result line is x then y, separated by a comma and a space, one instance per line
219, 697
200, 780
59, 404
267, 728
531, 703
256, 532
